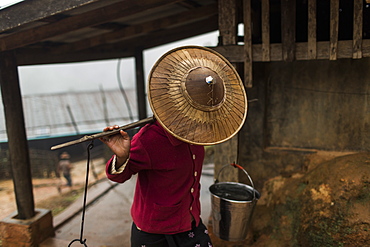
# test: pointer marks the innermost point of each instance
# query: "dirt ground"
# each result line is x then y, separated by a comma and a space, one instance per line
52, 192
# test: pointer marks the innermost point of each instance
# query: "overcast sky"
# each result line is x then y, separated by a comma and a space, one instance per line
7, 3
91, 76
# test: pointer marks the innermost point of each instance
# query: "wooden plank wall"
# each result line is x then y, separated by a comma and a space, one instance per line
289, 50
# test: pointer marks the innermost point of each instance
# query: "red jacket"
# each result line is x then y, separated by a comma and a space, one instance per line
167, 189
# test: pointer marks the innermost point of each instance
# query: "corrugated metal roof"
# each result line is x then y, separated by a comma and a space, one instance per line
48, 115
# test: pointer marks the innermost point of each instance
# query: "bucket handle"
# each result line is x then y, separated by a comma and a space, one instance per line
241, 168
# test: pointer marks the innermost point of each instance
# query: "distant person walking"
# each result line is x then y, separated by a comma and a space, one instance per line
65, 167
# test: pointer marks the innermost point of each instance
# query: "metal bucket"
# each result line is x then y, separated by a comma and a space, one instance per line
232, 207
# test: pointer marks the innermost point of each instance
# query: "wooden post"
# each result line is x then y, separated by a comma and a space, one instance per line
17, 140
311, 43
334, 27
357, 28
248, 55
105, 108
140, 84
227, 152
227, 22
74, 123
265, 30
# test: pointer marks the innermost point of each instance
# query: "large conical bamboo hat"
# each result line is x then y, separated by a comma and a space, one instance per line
197, 95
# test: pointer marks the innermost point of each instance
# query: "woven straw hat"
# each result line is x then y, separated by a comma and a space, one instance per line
65, 155
197, 95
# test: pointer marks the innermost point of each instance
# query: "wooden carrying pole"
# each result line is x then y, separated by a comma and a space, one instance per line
104, 134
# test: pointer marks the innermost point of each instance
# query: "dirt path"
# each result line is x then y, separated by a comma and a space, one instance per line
47, 188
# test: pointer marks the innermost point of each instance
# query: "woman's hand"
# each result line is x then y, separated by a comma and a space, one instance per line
119, 143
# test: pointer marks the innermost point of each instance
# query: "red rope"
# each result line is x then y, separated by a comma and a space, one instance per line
236, 166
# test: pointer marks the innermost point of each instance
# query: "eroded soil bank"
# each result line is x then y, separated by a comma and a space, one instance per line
327, 206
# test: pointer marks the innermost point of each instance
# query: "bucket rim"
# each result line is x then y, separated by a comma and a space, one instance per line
245, 172
256, 194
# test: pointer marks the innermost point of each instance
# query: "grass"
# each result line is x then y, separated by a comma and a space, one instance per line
58, 203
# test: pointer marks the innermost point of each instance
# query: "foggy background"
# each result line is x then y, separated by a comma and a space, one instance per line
93, 76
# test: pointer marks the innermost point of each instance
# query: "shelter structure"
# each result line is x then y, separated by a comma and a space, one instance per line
299, 58
301, 61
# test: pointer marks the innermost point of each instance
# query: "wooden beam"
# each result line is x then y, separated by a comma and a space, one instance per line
288, 22
126, 48
227, 22
170, 35
91, 18
38, 56
247, 19
311, 42
17, 139
189, 4
334, 25
357, 28
234, 53
140, 29
265, 30
35, 10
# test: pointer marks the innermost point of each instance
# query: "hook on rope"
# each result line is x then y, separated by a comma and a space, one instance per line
78, 240
89, 147
83, 242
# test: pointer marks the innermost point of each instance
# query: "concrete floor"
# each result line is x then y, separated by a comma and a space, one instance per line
107, 221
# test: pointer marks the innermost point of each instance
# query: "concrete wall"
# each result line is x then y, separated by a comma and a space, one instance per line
302, 107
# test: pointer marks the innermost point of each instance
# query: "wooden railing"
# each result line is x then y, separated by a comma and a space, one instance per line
289, 50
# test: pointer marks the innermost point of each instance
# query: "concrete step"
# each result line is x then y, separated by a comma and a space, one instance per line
93, 193
54, 242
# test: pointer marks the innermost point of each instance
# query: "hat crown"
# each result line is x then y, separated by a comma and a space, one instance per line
204, 88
